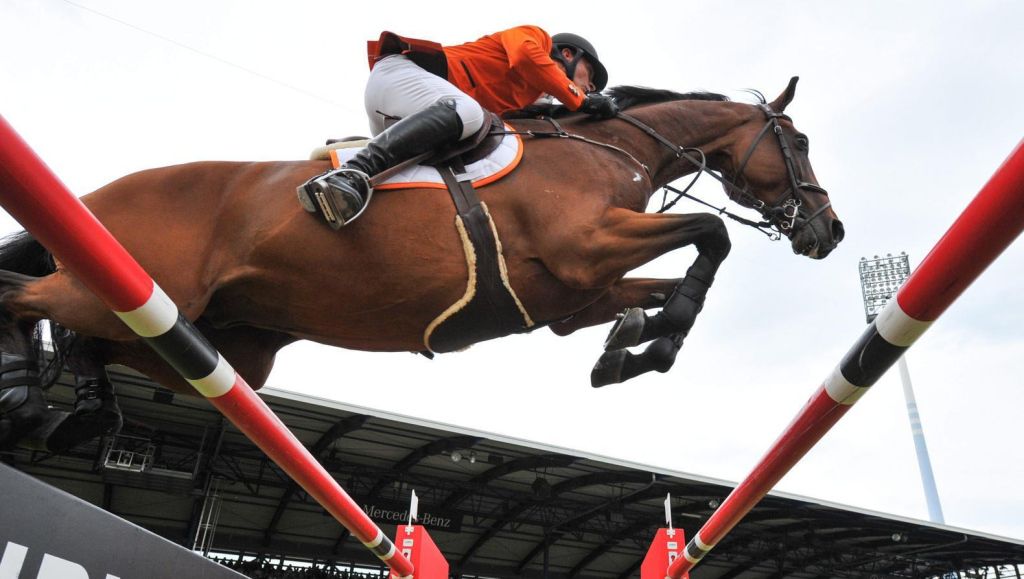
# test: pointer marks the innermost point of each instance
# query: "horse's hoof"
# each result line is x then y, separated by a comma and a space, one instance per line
626, 331
39, 439
104, 421
65, 431
608, 369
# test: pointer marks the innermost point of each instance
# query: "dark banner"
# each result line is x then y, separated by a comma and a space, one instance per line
395, 513
46, 533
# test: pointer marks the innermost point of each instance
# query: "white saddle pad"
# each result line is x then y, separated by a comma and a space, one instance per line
487, 170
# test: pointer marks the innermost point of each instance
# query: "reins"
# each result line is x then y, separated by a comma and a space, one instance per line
777, 218
765, 227
564, 134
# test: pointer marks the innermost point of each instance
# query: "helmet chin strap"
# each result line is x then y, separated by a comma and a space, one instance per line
570, 65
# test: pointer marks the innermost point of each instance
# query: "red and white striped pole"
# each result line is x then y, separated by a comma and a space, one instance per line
34, 196
988, 226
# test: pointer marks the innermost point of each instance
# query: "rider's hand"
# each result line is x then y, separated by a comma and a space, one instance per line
599, 105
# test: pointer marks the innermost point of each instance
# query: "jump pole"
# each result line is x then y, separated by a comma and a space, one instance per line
33, 195
988, 226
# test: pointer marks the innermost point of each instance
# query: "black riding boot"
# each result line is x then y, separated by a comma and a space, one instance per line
340, 195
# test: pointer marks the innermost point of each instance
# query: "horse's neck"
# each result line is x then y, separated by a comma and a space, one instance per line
710, 126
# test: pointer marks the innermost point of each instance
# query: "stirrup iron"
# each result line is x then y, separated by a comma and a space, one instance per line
316, 196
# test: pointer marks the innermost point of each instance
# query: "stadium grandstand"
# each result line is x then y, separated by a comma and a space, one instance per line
497, 508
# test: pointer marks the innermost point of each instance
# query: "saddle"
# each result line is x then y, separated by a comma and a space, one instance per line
467, 151
470, 150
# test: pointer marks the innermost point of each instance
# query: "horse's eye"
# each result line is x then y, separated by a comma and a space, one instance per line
802, 142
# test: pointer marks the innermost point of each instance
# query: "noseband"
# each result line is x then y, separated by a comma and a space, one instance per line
785, 215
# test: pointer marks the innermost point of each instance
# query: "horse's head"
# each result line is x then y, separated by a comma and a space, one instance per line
770, 172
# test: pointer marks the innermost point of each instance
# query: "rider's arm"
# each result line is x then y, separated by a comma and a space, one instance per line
529, 54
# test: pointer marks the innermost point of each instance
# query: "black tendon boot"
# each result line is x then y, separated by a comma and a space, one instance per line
341, 195
22, 406
96, 404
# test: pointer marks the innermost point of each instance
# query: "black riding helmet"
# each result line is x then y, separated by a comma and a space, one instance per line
581, 48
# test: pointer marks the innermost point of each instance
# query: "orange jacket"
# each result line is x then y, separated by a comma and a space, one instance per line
510, 69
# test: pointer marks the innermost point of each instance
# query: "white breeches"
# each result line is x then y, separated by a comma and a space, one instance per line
398, 88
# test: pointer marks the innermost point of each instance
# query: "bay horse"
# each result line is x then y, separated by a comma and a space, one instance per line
255, 272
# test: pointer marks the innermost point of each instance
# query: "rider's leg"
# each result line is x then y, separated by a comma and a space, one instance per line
432, 113
398, 88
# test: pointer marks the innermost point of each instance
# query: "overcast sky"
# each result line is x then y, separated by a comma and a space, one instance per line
910, 107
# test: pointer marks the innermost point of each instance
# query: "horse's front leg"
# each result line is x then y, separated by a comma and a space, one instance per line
631, 239
627, 293
680, 311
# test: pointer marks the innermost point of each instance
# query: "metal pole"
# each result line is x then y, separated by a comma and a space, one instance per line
880, 279
924, 464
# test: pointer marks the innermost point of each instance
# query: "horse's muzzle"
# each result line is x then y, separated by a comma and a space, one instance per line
818, 238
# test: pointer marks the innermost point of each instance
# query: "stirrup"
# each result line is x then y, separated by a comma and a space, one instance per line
318, 195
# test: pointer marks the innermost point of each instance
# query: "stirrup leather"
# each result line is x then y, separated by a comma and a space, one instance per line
318, 196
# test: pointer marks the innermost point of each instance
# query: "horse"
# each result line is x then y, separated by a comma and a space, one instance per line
255, 272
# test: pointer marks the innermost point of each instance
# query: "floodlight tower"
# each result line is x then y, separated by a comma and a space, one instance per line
880, 278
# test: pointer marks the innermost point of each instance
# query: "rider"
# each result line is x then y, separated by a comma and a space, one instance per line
421, 96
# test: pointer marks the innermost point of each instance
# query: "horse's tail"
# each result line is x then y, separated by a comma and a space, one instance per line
22, 257
21, 253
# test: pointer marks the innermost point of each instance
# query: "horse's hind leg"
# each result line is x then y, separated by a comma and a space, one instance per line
23, 408
26, 420
96, 412
24, 300
31, 292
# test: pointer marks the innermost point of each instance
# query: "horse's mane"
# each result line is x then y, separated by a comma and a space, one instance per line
625, 96
631, 96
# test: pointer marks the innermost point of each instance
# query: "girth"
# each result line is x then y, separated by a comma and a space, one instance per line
490, 308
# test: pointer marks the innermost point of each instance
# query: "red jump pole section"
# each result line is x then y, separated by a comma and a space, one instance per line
988, 226
34, 196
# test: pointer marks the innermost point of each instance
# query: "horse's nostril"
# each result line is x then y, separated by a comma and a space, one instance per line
838, 231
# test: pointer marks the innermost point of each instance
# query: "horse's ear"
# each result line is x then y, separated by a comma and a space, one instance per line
780, 103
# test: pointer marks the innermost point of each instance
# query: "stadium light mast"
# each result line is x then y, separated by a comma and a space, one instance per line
880, 278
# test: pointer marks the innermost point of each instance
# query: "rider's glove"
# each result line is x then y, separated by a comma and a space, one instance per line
599, 105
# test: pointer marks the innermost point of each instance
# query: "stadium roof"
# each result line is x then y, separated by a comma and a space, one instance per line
499, 507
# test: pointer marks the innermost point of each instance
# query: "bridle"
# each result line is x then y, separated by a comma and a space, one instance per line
782, 217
